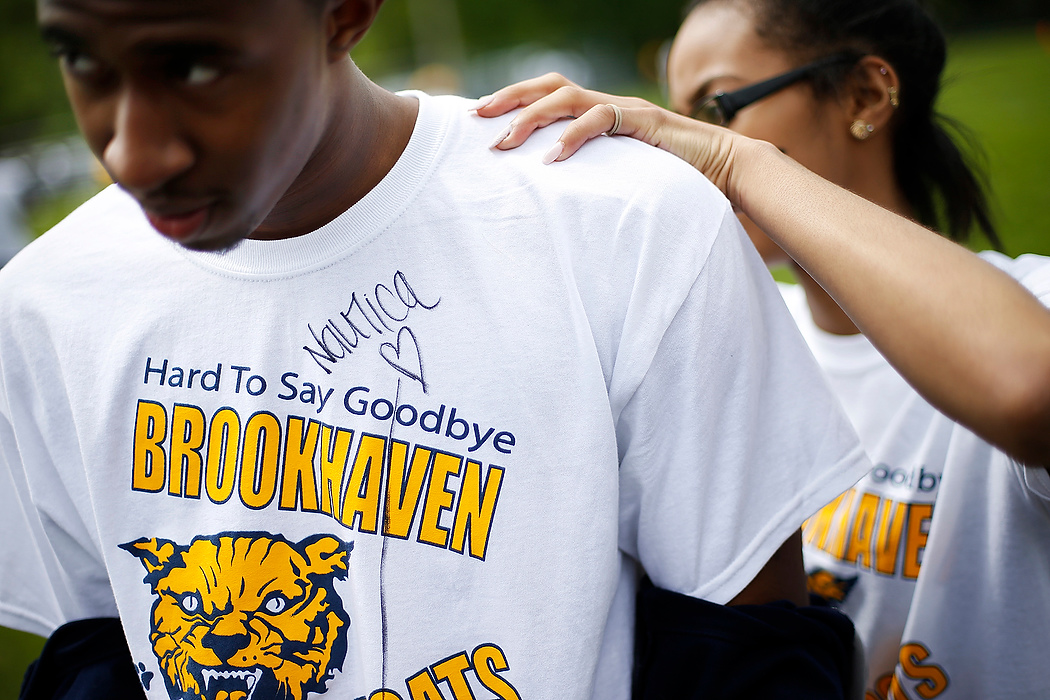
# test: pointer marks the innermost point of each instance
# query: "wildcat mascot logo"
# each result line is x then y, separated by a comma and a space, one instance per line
246, 615
829, 586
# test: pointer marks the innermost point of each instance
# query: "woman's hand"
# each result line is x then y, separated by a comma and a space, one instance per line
710, 149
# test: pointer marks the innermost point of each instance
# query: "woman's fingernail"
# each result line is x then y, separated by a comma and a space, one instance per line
555, 151
502, 135
482, 102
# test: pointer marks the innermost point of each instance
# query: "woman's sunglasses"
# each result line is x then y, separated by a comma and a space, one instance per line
721, 107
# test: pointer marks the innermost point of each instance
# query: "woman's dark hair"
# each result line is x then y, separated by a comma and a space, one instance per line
935, 176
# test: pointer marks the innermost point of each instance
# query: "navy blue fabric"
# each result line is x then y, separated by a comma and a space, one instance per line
690, 648
84, 660
686, 648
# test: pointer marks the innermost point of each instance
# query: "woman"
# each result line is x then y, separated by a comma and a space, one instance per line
940, 554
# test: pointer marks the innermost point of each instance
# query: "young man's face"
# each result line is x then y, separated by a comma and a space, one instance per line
204, 110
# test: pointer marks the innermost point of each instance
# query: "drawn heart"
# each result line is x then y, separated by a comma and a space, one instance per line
405, 358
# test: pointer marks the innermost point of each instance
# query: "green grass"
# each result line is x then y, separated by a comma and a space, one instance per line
998, 85
17, 651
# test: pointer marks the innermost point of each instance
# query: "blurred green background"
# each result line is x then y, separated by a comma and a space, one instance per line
997, 84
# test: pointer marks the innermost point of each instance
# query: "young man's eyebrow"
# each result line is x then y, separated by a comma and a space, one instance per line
54, 34
179, 47
60, 36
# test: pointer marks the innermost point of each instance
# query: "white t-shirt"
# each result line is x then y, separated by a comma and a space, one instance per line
941, 555
422, 449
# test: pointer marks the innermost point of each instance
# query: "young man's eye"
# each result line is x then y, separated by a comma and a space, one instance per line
193, 71
199, 74
79, 64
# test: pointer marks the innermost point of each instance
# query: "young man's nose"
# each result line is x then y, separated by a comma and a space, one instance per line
145, 149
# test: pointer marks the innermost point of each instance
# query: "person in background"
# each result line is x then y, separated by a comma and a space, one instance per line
941, 357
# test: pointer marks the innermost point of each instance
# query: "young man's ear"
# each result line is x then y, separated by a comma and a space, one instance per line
873, 93
347, 21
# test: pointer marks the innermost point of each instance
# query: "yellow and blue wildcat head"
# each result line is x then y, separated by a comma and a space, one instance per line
246, 615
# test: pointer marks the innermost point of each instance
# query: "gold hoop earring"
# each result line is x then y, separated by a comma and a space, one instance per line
894, 100
861, 129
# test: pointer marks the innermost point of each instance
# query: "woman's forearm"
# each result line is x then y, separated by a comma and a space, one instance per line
968, 337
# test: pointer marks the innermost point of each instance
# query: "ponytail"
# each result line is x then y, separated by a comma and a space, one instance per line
942, 187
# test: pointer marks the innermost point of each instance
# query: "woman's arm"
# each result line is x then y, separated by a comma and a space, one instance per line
968, 337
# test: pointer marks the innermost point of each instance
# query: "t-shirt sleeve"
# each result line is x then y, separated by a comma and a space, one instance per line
732, 437
27, 598
1033, 273
52, 570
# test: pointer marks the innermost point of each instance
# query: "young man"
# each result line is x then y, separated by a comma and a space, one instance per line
326, 399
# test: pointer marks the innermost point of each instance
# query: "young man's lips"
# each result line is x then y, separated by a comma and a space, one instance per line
178, 226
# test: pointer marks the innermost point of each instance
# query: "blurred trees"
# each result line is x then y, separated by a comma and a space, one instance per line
961, 15
31, 97
618, 27
607, 31
411, 33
